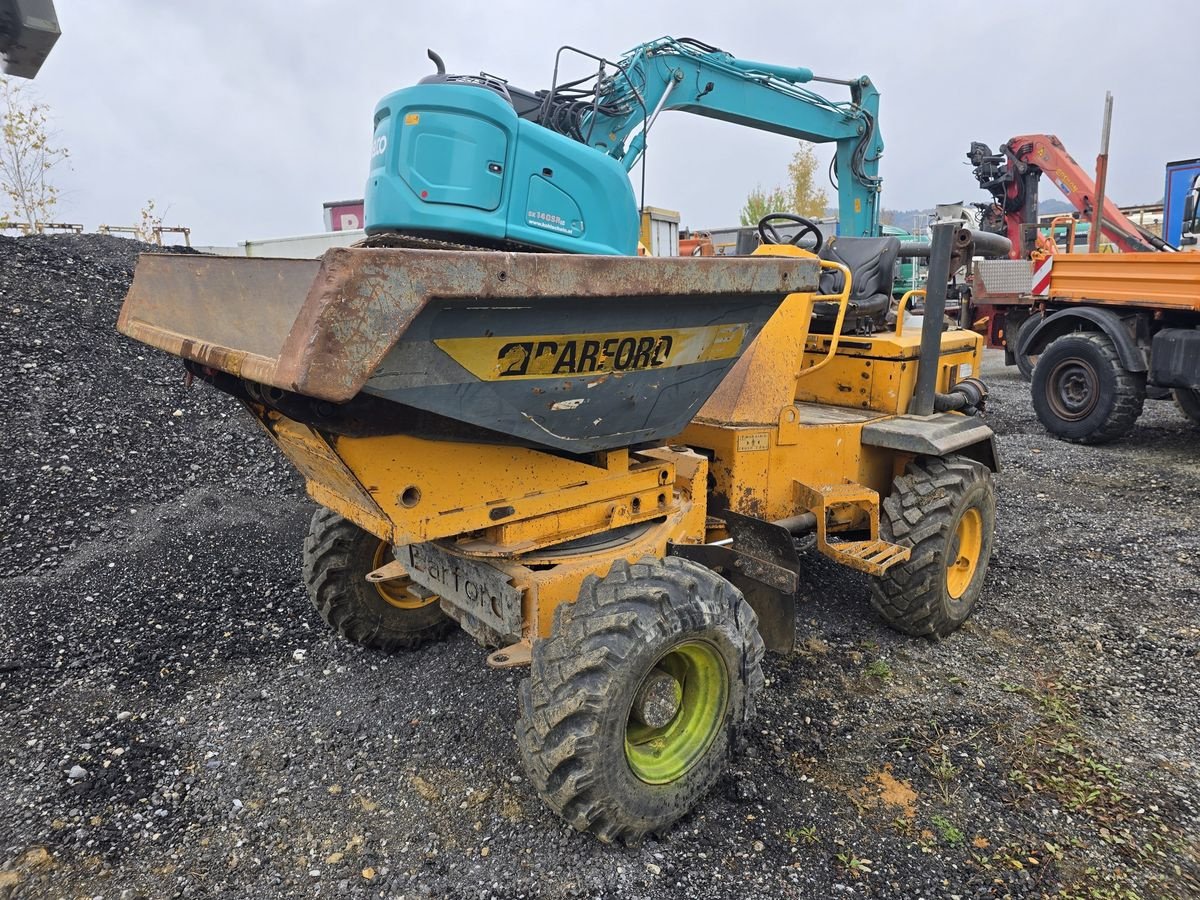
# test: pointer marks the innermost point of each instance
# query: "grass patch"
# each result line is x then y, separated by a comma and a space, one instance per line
878, 668
947, 831
806, 834
1054, 763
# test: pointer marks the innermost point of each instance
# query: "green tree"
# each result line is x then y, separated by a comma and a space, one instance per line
27, 157
761, 202
799, 195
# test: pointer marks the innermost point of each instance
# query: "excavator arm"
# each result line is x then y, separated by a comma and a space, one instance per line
685, 74
1012, 176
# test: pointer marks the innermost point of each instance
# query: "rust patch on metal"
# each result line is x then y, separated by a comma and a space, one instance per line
322, 328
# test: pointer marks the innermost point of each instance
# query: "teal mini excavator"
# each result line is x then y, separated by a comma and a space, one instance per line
474, 160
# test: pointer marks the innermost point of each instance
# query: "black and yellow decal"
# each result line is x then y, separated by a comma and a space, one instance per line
557, 355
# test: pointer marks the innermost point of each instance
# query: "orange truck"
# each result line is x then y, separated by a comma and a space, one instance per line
1100, 332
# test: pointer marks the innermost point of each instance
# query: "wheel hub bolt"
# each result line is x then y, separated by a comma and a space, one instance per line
658, 700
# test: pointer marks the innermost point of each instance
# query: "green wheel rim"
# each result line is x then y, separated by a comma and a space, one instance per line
662, 755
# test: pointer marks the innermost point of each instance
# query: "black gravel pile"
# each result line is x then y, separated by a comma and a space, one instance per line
175, 721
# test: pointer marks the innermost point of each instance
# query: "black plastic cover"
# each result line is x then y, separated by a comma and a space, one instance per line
1175, 358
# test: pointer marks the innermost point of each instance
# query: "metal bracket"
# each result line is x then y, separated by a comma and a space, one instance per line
512, 656
765, 552
763, 564
392, 571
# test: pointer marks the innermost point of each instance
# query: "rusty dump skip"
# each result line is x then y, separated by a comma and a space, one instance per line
551, 345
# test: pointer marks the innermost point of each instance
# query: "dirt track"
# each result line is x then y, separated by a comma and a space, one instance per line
155, 634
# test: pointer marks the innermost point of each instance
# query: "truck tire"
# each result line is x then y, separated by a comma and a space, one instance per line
1025, 362
1082, 393
944, 510
1188, 401
388, 616
634, 701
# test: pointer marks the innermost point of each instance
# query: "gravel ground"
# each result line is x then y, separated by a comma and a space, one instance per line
175, 720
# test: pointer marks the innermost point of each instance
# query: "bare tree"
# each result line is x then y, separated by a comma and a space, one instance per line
151, 221
27, 156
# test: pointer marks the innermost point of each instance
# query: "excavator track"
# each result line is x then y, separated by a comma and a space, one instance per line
400, 240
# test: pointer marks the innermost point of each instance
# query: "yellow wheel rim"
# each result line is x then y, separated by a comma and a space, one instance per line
965, 550
396, 592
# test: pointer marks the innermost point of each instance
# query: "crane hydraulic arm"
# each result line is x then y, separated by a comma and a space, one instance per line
1012, 176
477, 160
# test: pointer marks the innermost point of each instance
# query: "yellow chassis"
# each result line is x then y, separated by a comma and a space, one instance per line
786, 433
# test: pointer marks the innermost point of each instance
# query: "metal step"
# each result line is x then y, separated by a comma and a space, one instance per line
873, 557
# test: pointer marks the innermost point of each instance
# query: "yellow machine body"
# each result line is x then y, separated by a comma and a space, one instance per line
784, 431
781, 436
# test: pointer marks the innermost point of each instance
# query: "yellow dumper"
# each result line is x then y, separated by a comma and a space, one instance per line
607, 469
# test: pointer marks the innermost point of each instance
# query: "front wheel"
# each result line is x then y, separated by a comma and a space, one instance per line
390, 615
634, 700
1082, 393
1188, 401
944, 509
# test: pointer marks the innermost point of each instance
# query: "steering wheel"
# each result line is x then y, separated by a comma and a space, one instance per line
770, 235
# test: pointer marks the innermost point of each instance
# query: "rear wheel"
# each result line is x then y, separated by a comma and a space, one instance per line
634, 700
1188, 401
389, 615
1082, 393
945, 511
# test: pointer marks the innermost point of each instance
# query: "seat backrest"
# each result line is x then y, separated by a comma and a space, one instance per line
871, 261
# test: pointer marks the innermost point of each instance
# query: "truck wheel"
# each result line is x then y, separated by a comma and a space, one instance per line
1188, 401
1025, 362
1082, 393
391, 615
945, 511
634, 700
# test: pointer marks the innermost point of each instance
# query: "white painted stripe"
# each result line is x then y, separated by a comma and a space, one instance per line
1041, 277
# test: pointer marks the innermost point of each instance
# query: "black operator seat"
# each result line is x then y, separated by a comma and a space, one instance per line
872, 264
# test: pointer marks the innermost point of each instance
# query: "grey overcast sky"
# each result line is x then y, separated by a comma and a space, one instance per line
242, 117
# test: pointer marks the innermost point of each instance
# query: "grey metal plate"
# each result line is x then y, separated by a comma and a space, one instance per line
1002, 276
934, 435
470, 585
578, 406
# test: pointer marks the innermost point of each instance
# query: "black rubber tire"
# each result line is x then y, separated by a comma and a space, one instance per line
1086, 364
1025, 363
337, 557
575, 705
923, 513
1188, 401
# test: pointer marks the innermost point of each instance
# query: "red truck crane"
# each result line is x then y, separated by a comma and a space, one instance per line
1011, 177
1098, 334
